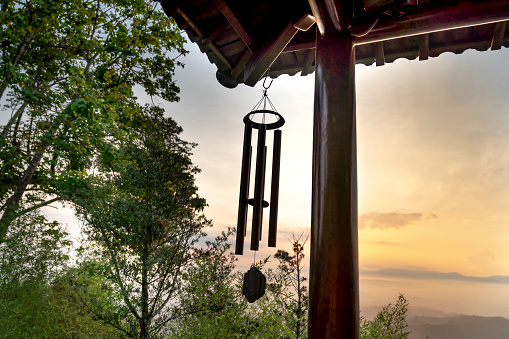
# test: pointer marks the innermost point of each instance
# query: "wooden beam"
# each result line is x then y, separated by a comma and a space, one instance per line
323, 19
358, 8
334, 271
463, 14
305, 23
217, 32
190, 23
379, 53
265, 56
239, 67
235, 23
498, 35
222, 63
308, 63
423, 47
299, 46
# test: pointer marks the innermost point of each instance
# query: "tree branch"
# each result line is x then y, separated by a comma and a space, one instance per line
42, 204
119, 278
103, 318
16, 115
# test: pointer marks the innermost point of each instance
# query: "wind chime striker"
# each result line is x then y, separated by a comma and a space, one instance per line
257, 201
254, 280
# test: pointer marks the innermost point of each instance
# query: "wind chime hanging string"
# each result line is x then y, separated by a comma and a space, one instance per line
264, 107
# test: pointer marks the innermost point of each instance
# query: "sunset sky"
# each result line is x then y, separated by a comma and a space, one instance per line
433, 160
433, 172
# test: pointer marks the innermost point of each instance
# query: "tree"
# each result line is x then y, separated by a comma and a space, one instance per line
67, 73
291, 267
389, 323
145, 216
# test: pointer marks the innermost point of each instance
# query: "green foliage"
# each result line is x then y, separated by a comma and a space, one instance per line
67, 73
36, 300
389, 323
33, 250
34, 310
213, 305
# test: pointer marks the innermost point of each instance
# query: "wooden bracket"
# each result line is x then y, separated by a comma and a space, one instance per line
424, 47
498, 35
308, 63
379, 53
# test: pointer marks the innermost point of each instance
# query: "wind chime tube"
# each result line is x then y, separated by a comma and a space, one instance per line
258, 189
274, 188
244, 189
263, 192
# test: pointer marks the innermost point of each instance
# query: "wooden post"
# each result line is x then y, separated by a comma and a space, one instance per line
334, 272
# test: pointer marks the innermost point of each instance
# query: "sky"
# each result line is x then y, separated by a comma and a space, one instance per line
433, 173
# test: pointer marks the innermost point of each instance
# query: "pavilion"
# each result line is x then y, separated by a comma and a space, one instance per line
246, 39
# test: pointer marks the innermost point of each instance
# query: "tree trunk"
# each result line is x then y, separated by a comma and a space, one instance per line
144, 320
299, 296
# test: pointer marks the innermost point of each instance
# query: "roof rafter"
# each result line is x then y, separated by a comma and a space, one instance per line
221, 60
220, 29
235, 23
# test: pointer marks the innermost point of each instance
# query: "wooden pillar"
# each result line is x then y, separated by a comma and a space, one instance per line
334, 272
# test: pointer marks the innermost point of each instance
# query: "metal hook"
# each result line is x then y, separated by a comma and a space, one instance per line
266, 76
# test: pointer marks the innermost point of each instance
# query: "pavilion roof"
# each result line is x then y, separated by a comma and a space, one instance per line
244, 39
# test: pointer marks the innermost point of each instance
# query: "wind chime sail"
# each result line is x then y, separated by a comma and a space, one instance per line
258, 201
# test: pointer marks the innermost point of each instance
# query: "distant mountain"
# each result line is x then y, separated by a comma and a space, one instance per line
426, 274
458, 327
369, 312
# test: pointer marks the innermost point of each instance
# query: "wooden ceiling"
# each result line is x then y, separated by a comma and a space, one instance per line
244, 39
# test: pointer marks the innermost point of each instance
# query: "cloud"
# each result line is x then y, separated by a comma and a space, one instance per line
426, 274
383, 221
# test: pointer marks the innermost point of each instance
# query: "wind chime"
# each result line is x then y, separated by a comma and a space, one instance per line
254, 280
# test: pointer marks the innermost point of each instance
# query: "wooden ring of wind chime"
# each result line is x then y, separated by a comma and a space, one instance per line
254, 280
